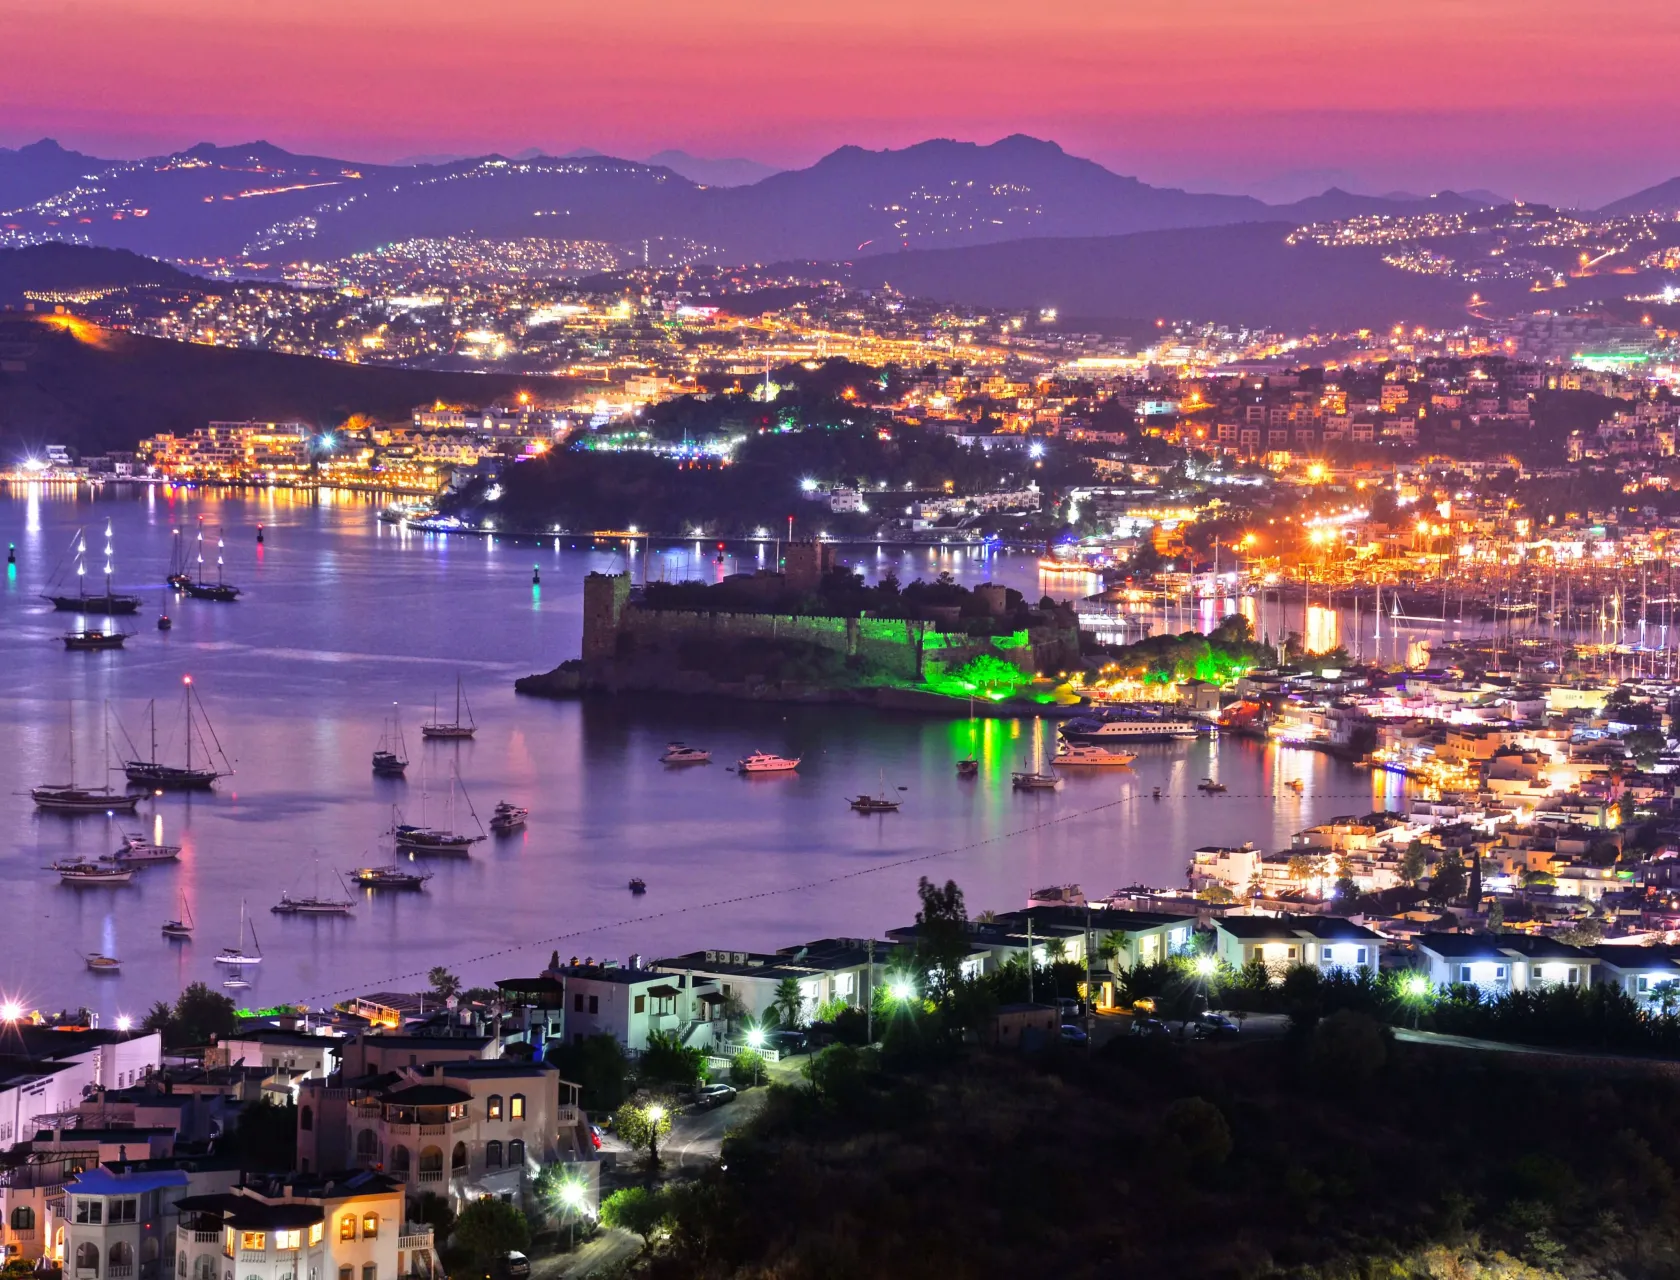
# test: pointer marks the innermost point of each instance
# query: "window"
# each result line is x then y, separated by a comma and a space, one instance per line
641, 1004
370, 1226
181, 1265
23, 1218
492, 1155
516, 1154
594, 1004
493, 1107
123, 1210
1328, 953
516, 1107
288, 1239
367, 1143
227, 1244
1534, 972
1359, 956
1644, 983
347, 1227
87, 1257
1499, 973
90, 1211
253, 1241
119, 1259
577, 1003
370, 1271
399, 1160
316, 1232
1574, 977
458, 1158
346, 1273
306, 1119
1464, 973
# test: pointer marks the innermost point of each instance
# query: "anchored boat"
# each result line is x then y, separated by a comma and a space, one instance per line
456, 728
764, 762
182, 926
68, 798
80, 873
237, 955
390, 757
155, 774
110, 602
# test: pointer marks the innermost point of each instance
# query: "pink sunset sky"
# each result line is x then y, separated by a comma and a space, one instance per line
1566, 102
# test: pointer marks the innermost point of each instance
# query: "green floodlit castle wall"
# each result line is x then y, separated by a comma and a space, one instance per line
907, 651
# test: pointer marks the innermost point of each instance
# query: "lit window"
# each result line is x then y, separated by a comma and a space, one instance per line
370, 1226
254, 1241
288, 1239
347, 1227
516, 1107
493, 1106
316, 1232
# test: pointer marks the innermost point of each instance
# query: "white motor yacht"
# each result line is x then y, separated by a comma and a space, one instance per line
681, 753
1090, 756
764, 762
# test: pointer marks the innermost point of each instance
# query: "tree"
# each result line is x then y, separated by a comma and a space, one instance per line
265, 1137
434, 1210
788, 1003
942, 940
201, 1016
1414, 863
746, 1068
668, 1061
1447, 884
599, 1065
1496, 916
637, 1127
636, 1210
837, 1073
488, 1228
444, 983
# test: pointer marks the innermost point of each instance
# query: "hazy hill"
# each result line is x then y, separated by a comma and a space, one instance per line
47, 267
39, 170
220, 202
734, 171
66, 382
1662, 198
1242, 274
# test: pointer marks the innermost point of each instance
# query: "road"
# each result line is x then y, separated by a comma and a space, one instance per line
607, 1251
696, 1138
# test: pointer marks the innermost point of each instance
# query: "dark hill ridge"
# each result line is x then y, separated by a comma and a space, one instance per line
221, 202
1662, 198
96, 389
49, 267
40, 170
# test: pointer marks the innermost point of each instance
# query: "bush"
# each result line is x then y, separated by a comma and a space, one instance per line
666, 1060
636, 1210
599, 1065
747, 1068
488, 1228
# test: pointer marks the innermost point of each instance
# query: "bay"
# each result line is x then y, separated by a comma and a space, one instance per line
343, 616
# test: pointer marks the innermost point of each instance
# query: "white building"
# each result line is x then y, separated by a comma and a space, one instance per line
1319, 942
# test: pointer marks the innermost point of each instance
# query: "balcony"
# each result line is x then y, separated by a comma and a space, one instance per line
399, 1130
421, 1240
207, 1237
461, 1125
433, 1130
368, 1110
431, 1175
119, 1271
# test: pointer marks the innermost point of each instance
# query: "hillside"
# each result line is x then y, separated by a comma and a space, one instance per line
1662, 198
39, 170
65, 267
1241, 275
65, 382
259, 203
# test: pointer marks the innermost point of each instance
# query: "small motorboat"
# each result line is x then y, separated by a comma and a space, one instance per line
1157, 794
137, 851
1296, 785
1207, 786
680, 753
388, 764
508, 818
181, 927
638, 885
92, 873
765, 762
90, 640
311, 906
968, 768
165, 622
97, 963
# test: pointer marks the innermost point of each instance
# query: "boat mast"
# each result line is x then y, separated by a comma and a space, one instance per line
187, 681
151, 709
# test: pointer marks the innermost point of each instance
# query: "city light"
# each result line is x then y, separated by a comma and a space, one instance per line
901, 990
10, 1011
755, 1037
124, 1022
1206, 966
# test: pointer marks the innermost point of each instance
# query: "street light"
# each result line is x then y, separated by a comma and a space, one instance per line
10, 1011
901, 990
124, 1022
1206, 966
655, 1112
575, 1197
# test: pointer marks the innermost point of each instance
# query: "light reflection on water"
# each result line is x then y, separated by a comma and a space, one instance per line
343, 616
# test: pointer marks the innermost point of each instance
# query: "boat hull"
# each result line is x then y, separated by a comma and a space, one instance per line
165, 777
446, 731
109, 605
222, 592
91, 641
53, 800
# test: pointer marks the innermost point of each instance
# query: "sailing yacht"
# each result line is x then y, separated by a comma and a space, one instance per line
882, 803
109, 602
197, 587
182, 926
68, 798
236, 954
424, 839
390, 757
390, 875
455, 728
169, 777
1040, 777
315, 904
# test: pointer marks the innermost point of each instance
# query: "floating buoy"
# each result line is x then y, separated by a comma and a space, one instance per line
259, 533
536, 575
11, 553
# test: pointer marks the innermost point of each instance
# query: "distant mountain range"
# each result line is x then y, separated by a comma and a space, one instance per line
261, 203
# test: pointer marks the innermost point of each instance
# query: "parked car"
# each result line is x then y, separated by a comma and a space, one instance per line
786, 1042
512, 1265
595, 1136
1067, 1009
1148, 1026
713, 1095
1073, 1035
1213, 1024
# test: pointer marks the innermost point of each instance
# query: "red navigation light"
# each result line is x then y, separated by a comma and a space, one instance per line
186, 679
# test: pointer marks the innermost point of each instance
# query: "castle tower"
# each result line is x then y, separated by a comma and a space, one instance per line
604, 598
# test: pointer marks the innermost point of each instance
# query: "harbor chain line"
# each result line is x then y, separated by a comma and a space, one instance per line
889, 865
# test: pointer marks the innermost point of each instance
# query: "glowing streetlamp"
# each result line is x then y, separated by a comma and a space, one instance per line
574, 1198
1206, 966
124, 1022
901, 990
10, 1011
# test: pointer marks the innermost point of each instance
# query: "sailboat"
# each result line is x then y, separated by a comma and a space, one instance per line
182, 926
315, 904
1038, 778
424, 839
390, 757
198, 588
455, 728
236, 954
109, 602
876, 804
169, 777
178, 576
390, 875
69, 798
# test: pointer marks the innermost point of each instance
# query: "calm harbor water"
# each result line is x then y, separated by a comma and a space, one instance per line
343, 616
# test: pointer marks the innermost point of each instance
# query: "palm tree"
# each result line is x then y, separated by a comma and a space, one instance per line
788, 1003
1113, 945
